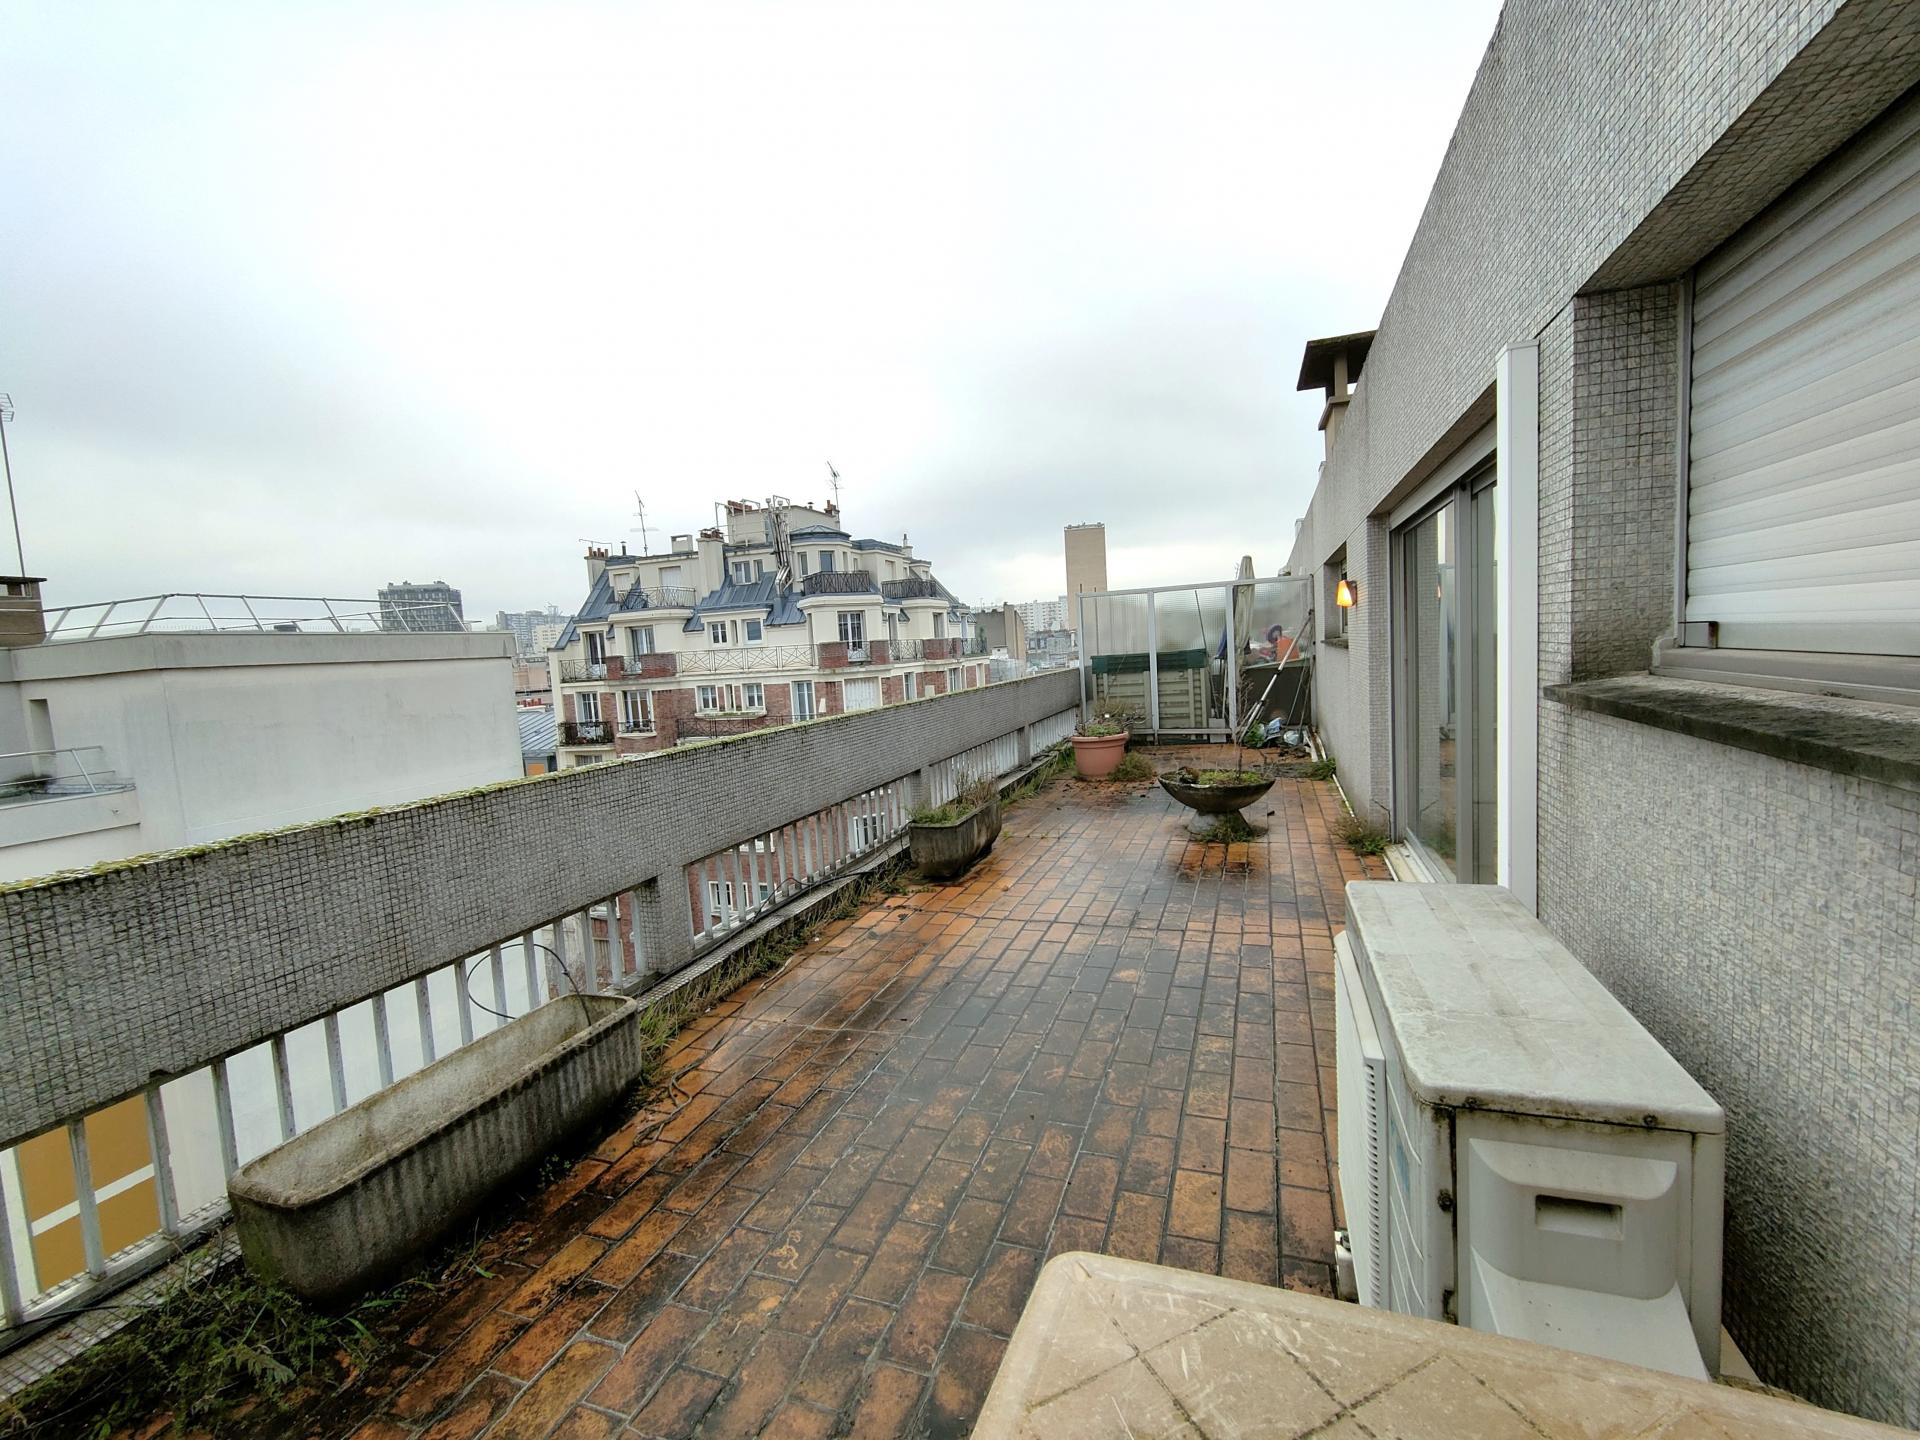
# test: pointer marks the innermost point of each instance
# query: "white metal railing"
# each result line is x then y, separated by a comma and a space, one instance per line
33, 774
733, 886
1054, 729
200, 1127
194, 613
949, 777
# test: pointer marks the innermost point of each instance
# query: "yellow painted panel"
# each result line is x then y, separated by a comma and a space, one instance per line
46, 1173
117, 1141
57, 1253
132, 1215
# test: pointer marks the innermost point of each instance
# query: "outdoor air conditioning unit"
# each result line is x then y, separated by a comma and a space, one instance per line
1517, 1153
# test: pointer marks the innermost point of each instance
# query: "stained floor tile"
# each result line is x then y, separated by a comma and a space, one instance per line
1106, 1036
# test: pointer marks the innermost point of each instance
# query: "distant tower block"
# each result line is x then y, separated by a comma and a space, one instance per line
1086, 565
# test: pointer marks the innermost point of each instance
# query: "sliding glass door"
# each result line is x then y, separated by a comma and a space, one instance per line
1443, 690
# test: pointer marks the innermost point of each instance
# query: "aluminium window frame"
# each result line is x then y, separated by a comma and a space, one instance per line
1466, 482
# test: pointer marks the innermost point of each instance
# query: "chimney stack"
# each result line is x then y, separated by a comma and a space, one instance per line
23, 619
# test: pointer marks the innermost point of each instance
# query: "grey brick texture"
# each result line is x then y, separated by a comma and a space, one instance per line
156, 968
1758, 916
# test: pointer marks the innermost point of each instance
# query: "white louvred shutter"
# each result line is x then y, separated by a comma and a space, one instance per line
1803, 522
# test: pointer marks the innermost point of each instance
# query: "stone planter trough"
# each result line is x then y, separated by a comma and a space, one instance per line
370, 1193
942, 851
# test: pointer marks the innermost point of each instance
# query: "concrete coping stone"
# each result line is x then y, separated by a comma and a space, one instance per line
1849, 737
1116, 1348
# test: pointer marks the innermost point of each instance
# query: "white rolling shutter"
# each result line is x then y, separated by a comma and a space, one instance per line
1803, 529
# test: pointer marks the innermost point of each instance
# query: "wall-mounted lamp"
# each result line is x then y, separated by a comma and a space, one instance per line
1346, 594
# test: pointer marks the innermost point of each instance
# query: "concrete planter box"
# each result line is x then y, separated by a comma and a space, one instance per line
369, 1193
1215, 799
944, 851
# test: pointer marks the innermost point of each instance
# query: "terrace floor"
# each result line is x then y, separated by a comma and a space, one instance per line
1106, 1037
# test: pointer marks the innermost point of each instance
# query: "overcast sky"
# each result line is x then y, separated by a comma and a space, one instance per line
301, 299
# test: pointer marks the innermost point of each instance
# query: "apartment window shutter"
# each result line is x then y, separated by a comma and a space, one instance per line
1803, 515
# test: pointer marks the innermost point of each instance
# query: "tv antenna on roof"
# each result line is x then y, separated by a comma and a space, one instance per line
834, 484
640, 509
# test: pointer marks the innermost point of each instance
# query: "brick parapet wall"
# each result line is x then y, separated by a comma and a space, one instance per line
160, 966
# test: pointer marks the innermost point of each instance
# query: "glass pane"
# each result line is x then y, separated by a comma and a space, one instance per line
1191, 637
1270, 624
1116, 637
1485, 716
1432, 626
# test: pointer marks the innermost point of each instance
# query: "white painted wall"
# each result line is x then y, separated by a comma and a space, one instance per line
227, 734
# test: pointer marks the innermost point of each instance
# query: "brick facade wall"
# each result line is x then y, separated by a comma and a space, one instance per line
161, 966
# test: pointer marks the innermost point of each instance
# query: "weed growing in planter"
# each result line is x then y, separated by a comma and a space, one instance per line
973, 795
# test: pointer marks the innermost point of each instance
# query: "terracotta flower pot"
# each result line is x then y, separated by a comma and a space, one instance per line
1096, 755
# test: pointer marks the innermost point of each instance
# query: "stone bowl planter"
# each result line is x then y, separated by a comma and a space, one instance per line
943, 850
1215, 799
369, 1193
1094, 756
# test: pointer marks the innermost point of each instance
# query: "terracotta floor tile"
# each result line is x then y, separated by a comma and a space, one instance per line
1104, 1037
680, 1403
540, 1405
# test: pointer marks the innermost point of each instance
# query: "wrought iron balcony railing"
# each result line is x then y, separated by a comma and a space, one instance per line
575, 672
910, 589
746, 660
660, 597
838, 582
585, 732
